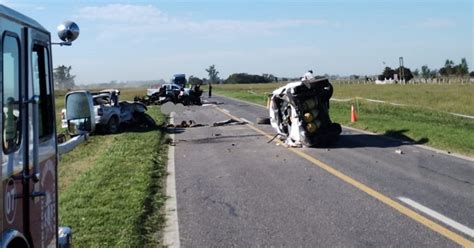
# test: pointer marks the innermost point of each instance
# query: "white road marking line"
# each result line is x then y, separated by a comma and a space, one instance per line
246, 121
450, 222
225, 110
171, 232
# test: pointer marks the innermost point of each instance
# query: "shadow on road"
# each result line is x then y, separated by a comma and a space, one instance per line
398, 134
392, 138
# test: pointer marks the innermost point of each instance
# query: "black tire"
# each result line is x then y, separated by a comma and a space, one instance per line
264, 121
147, 120
113, 126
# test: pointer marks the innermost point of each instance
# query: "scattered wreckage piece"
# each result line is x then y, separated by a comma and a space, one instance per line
191, 123
230, 122
299, 112
185, 124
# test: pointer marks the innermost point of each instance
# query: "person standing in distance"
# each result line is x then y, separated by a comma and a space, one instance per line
308, 76
210, 90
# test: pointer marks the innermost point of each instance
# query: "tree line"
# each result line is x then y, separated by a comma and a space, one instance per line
64, 80
449, 70
235, 78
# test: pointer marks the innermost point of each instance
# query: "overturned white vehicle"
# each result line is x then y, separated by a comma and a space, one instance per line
299, 112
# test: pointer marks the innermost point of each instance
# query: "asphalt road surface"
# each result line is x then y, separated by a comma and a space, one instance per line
236, 190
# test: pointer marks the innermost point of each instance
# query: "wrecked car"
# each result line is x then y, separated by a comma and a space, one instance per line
172, 93
299, 112
110, 113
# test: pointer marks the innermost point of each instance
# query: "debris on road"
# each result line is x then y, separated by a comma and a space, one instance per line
230, 122
210, 103
185, 124
399, 151
170, 141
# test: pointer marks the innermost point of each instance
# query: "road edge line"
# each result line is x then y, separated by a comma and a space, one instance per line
430, 224
171, 230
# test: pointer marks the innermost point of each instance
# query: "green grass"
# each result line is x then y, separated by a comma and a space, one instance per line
111, 188
425, 124
449, 98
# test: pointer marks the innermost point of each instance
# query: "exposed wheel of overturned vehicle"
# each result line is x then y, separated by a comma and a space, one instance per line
263, 121
113, 126
146, 120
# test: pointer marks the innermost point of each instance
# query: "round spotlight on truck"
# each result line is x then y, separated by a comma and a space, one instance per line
68, 31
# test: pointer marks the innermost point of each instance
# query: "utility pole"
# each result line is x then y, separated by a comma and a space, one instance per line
401, 70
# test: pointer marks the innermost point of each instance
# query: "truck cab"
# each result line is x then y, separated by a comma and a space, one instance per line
29, 150
180, 80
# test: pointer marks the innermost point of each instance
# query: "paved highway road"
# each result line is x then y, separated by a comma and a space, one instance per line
236, 190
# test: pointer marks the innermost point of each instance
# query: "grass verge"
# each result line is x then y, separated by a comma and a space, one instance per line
115, 196
418, 124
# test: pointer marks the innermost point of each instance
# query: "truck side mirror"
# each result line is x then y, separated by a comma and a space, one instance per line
79, 113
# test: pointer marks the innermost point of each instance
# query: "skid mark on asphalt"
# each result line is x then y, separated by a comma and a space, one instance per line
230, 208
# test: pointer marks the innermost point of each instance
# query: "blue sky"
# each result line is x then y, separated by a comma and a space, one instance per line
146, 40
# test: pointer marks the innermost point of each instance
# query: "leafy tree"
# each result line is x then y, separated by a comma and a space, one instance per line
434, 73
387, 73
463, 67
416, 73
425, 72
213, 78
244, 78
270, 77
450, 69
407, 74
195, 81
471, 74
390, 73
63, 79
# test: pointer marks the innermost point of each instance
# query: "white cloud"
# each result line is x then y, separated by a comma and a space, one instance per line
123, 13
22, 6
149, 19
437, 23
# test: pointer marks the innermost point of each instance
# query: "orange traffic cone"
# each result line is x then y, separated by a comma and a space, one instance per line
353, 114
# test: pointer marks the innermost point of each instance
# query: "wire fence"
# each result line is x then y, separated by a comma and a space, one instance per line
357, 99
417, 80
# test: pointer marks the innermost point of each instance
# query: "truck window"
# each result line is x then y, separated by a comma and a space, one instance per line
41, 88
11, 93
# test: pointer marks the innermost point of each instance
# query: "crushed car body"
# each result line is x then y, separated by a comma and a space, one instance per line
299, 112
172, 93
110, 113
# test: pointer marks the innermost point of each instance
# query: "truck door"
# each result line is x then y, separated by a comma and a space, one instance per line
12, 135
29, 162
42, 144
